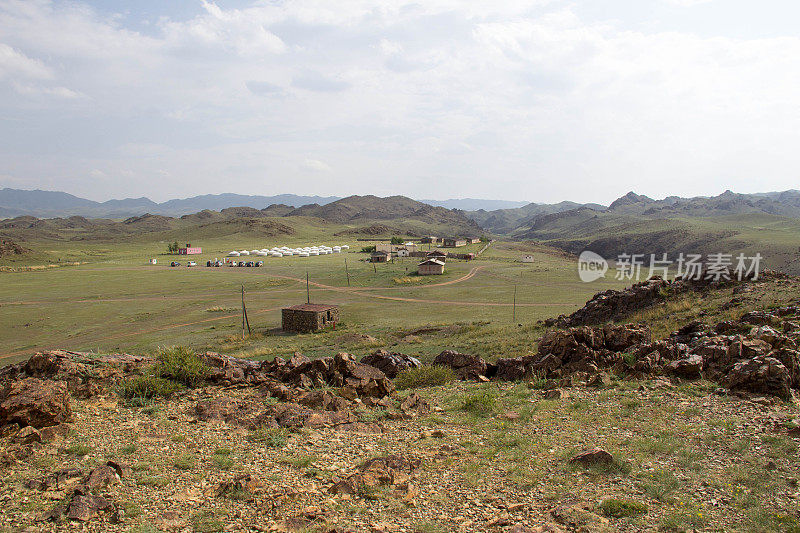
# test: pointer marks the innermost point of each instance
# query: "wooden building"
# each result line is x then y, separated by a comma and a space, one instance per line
305, 318
430, 267
437, 254
454, 243
379, 257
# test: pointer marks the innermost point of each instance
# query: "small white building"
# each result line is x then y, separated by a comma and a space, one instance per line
527, 259
154, 261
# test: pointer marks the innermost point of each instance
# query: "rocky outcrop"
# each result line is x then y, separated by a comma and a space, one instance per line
613, 304
465, 366
390, 364
758, 353
356, 379
760, 374
34, 402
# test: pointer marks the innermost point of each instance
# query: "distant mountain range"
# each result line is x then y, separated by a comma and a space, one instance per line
368, 216
17, 202
523, 219
48, 204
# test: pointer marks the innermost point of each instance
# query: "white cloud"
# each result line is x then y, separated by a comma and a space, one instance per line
530, 100
316, 165
14, 63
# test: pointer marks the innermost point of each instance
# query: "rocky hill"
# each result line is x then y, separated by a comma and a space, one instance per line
397, 214
519, 221
356, 209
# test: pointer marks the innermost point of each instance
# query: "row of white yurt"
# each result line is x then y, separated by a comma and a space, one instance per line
282, 251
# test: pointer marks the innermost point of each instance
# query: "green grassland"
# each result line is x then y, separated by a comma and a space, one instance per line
115, 301
776, 238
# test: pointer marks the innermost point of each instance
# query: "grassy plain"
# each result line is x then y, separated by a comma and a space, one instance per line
115, 301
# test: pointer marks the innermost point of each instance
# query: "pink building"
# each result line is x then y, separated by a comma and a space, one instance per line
189, 251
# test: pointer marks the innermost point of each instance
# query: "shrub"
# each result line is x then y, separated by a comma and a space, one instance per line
206, 522
184, 462
424, 376
183, 366
127, 449
223, 462
146, 387
622, 508
481, 403
79, 449
271, 437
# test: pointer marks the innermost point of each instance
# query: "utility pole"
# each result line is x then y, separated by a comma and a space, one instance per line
515, 304
245, 321
346, 271
308, 290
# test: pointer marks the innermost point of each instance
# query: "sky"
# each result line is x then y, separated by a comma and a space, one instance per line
537, 100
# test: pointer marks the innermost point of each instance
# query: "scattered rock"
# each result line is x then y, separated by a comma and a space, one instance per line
592, 457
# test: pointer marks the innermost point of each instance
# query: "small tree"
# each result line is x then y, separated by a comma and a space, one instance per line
368, 249
175, 247
396, 240
484, 238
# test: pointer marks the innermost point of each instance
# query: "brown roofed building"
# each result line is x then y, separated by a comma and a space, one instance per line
430, 267
305, 318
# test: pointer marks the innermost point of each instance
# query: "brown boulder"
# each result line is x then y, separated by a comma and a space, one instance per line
689, 367
33, 402
390, 364
513, 368
465, 366
592, 457
761, 374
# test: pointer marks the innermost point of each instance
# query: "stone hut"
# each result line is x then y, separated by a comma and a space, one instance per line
305, 318
379, 257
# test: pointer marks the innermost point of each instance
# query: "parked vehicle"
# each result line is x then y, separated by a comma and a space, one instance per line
191, 264
259, 263
175, 264
208, 263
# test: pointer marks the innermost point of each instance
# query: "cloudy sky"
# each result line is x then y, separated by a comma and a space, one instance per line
538, 100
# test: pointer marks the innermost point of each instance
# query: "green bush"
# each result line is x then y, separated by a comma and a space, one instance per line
622, 508
147, 387
424, 376
270, 437
480, 403
184, 462
183, 366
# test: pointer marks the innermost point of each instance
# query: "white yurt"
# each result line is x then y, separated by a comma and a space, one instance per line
233, 254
